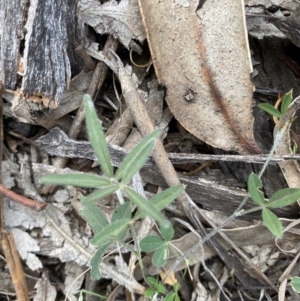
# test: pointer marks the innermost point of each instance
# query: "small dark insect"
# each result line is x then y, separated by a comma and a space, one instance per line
189, 95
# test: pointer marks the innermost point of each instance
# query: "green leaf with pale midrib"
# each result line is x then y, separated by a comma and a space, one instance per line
295, 283
146, 207
99, 194
272, 222
121, 212
110, 232
283, 198
151, 243
97, 137
286, 101
270, 109
254, 186
160, 256
162, 199
80, 180
135, 160
94, 216
96, 260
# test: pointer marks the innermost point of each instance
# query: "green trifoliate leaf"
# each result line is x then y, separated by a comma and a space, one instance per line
270, 109
136, 159
99, 194
151, 243
80, 180
283, 198
96, 260
295, 283
286, 101
146, 207
162, 199
110, 232
272, 222
94, 216
160, 256
96, 136
254, 186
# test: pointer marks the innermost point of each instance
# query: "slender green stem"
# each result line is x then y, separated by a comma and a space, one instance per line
138, 253
277, 139
120, 197
238, 211
244, 212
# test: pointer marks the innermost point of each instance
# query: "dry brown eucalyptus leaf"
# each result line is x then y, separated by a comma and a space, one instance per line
203, 60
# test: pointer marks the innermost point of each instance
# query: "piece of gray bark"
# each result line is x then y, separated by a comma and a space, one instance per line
30, 112
11, 33
38, 46
212, 196
57, 143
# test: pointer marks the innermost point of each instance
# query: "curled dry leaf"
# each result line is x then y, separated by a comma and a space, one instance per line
118, 18
202, 57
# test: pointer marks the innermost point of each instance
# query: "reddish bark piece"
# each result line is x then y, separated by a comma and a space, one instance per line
33, 204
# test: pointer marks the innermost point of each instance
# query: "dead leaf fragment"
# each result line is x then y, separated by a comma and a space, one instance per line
122, 20
44, 290
203, 60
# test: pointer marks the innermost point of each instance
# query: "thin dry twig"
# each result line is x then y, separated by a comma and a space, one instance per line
15, 266
6, 238
33, 204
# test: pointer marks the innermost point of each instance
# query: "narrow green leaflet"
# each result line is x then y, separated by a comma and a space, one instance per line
81, 180
151, 243
159, 287
136, 159
270, 109
110, 232
122, 211
96, 260
97, 136
146, 207
272, 222
177, 298
170, 296
283, 198
286, 101
94, 216
162, 199
153, 281
295, 283
99, 194
149, 293
254, 186
160, 256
